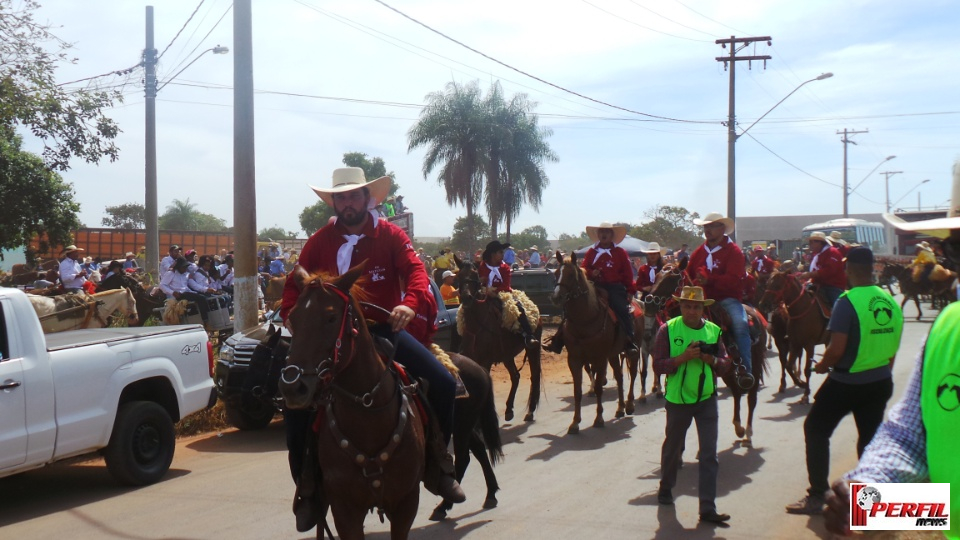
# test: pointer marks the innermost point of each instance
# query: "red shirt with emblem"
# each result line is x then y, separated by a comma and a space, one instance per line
614, 266
392, 270
725, 279
644, 277
829, 269
502, 284
762, 265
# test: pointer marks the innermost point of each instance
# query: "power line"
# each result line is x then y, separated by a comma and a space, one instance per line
215, 25
640, 25
119, 72
508, 66
671, 20
181, 29
709, 19
781, 158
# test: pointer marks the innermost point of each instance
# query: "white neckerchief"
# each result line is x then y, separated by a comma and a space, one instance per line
600, 251
813, 262
759, 264
494, 271
653, 274
710, 252
345, 253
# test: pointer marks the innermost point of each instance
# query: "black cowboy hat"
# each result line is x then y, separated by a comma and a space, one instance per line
494, 247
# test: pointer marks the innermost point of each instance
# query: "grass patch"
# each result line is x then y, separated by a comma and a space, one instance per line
203, 421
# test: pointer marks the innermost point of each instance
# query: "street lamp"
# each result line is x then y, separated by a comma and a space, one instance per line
732, 140
908, 191
886, 159
215, 50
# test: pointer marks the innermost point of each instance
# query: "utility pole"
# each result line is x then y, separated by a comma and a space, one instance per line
886, 184
152, 240
244, 177
730, 63
845, 142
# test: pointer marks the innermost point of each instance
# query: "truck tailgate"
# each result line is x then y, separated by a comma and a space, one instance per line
79, 338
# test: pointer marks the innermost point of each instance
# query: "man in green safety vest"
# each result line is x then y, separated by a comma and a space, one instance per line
865, 329
689, 352
918, 441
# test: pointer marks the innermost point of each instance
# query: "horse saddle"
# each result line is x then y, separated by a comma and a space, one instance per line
825, 309
385, 349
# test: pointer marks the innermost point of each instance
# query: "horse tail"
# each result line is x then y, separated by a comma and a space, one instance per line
489, 426
536, 374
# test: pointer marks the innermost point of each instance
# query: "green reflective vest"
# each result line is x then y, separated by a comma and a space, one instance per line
694, 380
940, 406
881, 323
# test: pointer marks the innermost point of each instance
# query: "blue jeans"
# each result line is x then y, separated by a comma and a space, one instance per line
740, 329
830, 294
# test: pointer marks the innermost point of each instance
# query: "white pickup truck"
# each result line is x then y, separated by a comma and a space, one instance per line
113, 390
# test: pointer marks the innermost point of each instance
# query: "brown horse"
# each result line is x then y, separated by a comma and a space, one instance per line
485, 339
591, 334
943, 291
806, 325
370, 438
665, 289
145, 302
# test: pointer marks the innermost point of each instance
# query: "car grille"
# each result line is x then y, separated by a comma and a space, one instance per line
243, 354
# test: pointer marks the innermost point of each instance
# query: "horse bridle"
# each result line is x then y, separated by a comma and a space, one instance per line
573, 294
661, 301
778, 295
328, 367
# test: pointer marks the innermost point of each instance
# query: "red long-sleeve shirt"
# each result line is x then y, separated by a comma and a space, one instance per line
392, 268
829, 269
614, 267
644, 278
502, 284
762, 265
725, 279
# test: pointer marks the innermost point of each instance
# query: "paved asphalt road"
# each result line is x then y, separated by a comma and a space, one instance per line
598, 484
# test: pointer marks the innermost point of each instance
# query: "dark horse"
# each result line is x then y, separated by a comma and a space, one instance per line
145, 303
940, 291
670, 285
592, 336
370, 434
806, 327
485, 339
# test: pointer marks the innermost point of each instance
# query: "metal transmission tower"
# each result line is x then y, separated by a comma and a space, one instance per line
845, 142
730, 64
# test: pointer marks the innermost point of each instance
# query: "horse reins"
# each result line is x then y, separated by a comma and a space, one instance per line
778, 294
327, 368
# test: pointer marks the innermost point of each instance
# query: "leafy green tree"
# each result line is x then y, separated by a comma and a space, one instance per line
531, 236
274, 233
469, 232
515, 153
125, 216
184, 216
313, 217
669, 226
69, 122
372, 168
452, 127
569, 243
39, 201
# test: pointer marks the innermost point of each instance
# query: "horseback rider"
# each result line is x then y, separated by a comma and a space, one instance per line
608, 266
494, 274
826, 269
761, 265
396, 280
924, 263
647, 273
72, 276
841, 245
718, 266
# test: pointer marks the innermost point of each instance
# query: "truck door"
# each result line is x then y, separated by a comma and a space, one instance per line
13, 421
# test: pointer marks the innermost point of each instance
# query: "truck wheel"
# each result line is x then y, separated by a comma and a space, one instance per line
250, 416
141, 445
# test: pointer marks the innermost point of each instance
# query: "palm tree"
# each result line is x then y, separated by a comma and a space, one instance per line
451, 126
181, 216
513, 167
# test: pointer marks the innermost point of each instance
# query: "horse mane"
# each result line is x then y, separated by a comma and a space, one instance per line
317, 279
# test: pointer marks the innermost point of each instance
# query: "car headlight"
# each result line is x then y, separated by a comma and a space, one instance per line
226, 353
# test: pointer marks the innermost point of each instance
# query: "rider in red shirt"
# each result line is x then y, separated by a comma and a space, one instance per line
647, 274
826, 268
761, 263
494, 274
608, 266
394, 278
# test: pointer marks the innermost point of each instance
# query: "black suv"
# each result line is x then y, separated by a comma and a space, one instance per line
245, 403
538, 284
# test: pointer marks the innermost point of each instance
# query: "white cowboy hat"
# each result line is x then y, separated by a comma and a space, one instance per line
533, 248
653, 247
818, 235
714, 217
925, 246
619, 231
836, 239
350, 178
129, 254
70, 249
939, 227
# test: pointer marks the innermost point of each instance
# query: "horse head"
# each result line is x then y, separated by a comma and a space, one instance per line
325, 324
571, 281
470, 290
778, 285
668, 283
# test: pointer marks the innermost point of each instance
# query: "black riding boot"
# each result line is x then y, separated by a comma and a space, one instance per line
529, 341
555, 343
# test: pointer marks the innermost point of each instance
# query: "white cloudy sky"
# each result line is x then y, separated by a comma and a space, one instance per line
896, 72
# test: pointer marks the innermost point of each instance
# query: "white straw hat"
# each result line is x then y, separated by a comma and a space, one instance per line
350, 178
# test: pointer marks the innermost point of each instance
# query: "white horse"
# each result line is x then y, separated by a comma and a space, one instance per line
75, 311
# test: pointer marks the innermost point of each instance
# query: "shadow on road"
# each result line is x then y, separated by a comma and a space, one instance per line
589, 438
442, 529
61, 487
795, 410
271, 439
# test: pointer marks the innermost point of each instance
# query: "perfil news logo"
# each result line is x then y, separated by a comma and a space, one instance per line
899, 507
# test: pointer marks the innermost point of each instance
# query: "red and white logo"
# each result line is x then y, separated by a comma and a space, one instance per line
899, 507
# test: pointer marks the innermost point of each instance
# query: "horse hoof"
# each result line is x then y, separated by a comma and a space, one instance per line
508, 416
630, 409
438, 514
573, 430
783, 388
804, 400
620, 414
659, 395
598, 423
490, 502
528, 417
740, 431
746, 443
